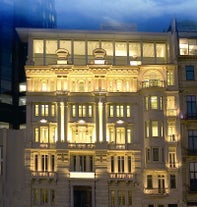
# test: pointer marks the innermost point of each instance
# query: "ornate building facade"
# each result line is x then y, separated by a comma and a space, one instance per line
111, 121
102, 120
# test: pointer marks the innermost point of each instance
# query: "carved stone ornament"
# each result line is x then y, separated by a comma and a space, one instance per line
99, 53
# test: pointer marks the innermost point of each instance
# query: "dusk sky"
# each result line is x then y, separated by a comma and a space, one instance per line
148, 15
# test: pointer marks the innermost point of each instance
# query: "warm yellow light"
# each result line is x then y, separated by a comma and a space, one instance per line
88, 175
100, 110
62, 120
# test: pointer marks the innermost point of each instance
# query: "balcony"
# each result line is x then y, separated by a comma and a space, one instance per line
153, 83
171, 112
128, 177
39, 175
156, 191
114, 146
81, 145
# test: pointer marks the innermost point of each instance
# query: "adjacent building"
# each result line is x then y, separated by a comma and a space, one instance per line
17, 13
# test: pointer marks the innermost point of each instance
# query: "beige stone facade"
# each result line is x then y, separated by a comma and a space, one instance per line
105, 120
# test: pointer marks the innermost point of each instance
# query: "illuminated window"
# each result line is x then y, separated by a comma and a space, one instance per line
44, 134
189, 72
192, 141
171, 130
128, 111
155, 153
148, 50
53, 110
170, 102
91, 46
149, 182
81, 86
82, 110
172, 181
36, 134
111, 110
161, 183
188, 46
155, 128
44, 110
129, 136
160, 50
134, 49
65, 44
170, 77
193, 176
73, 110
108, 46
111, 134
154, 102
36, 110
120, 49
38, 46
120, 135
51, 46
147, 128
89, 110
119, 111
172, 158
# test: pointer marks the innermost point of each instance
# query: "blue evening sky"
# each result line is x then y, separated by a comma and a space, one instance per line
148, 15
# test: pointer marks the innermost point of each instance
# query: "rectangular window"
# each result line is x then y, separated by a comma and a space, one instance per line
44, 110
192, 141
172, 181
154, 102
44, 163
121, 198
147, 128
44, 196
36, 134
148, 50
120, 164
155, 154
148, 155
73, 110
129, 164
52, 196
189, 72
161, 184
191, 107
112, 198
193, 176
52, 163
155, 128
36, 163
82, 110
172, 159
36, 110
129, 136
120, 135
149, 182
170, 78
128, 111
112, 164
89, 110
146, 103
119, 111
35, 196
111, 110
130, 200
53, 110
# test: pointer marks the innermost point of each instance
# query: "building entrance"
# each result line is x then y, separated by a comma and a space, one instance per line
82, 196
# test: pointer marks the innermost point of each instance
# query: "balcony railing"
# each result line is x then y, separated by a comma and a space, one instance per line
121, 176
43, 175
117, 146
157, 191
81, 145
153, 83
